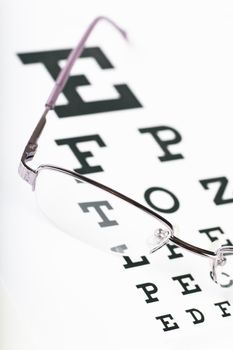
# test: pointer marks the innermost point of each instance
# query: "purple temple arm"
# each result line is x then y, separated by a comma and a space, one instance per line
75, 53
61, 80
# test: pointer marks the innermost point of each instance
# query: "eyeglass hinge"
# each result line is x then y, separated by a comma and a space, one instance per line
27, 174
30, 151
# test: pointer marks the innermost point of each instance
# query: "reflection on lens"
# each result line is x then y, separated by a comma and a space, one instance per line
96, 216
223, 267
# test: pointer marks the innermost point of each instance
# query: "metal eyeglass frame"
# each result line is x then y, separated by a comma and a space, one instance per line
30, 175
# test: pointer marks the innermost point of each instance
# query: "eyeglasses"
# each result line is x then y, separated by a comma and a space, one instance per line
95, 213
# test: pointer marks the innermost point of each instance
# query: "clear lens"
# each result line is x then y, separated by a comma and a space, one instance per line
223, 267
98, 217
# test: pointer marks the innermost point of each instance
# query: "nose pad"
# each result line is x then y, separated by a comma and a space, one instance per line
219, 262
215, 263
159, 238
222, 267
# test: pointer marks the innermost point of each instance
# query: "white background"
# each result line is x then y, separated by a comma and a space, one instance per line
58, 293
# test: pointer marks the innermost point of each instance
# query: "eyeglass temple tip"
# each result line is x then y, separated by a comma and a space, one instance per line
108, 19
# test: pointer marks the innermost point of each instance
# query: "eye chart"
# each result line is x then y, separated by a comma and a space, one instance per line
151, 118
